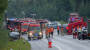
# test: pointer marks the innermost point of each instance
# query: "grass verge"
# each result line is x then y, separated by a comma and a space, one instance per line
18, 45
3, 38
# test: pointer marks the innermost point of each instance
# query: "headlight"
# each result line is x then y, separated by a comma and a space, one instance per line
30, 34
40, 33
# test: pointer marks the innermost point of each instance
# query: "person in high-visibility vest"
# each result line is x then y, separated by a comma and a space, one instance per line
47, 32
52, 29
62, 29
73, 32
58, 30
77, 27
79, 32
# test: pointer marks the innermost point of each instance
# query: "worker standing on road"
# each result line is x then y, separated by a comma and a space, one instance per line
47, 32
73, 32
58, 30
79, 32
62, 29
52, 29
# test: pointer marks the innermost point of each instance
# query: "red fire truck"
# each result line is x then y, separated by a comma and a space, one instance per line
34, 31
75, 21
12, 23
24, 27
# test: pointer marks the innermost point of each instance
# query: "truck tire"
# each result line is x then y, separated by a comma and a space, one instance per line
79, 37
89, 38
29, 38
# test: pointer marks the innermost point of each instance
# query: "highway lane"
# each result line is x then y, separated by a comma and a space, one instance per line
59, 43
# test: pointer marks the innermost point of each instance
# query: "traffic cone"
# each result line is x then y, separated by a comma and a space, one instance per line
49, 44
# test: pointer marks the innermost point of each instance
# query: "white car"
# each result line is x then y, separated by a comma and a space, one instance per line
85, 30
14, 35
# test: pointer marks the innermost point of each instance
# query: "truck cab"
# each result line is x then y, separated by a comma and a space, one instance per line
34, 31
24, 28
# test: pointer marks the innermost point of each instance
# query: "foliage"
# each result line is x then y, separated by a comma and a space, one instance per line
18, 45
3, 38
3, 6
3, 33
48, 9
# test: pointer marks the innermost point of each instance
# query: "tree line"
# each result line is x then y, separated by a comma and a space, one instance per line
3, 32
48, 9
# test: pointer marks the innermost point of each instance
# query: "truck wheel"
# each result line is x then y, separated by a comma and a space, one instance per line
79, 38
38, 38
89, 38
41, 37
29, 38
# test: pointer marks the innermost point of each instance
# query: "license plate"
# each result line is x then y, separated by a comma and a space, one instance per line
36, 34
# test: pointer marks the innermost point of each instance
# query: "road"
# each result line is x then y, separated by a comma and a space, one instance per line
60, 43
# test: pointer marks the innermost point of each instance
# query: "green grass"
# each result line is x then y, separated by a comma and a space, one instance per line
18, 45
5, 44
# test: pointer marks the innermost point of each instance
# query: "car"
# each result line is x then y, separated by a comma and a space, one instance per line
83, 35
14, 35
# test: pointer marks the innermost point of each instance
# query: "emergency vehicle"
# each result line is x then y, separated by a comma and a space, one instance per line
34, 31
74, 21
24, 27
89, 28
42, 23
13, 24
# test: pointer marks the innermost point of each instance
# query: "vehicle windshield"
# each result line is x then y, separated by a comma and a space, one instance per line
34, 28
24, 26
75, 20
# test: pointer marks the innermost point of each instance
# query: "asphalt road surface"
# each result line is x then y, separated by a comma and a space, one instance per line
65, 42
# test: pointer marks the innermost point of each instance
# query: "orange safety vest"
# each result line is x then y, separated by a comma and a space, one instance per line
62, 29
52, 29
77, 27
81, 27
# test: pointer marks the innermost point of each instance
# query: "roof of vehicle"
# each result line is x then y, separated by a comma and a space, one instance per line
35, 25
25, 23
74, 14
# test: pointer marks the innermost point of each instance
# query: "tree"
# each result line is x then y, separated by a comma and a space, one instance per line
3, 33
50, 9
3, 6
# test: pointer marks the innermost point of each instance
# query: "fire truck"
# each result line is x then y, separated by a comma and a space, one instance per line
89, 28
74, 21
24, 27
25, 24
13, 24
34, 31
42, 23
